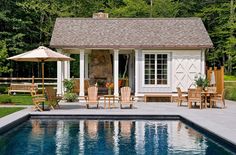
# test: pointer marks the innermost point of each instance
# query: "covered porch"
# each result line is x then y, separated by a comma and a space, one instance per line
99, 66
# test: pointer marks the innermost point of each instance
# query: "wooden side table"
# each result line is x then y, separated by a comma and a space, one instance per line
110, 99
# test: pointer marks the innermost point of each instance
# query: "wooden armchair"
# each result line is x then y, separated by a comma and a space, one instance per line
195, 95
77, 86
181, 97
126, 98
92, 98
218, 97
37, 100
52, 98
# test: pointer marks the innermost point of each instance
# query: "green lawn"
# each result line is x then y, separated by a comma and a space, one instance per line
229, 78
20, 99
6, 111
230, 87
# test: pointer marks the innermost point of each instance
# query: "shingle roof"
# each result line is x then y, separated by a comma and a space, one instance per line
146, 33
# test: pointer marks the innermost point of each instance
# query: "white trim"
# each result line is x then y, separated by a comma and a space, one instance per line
136, 72
168, 68
86, 65
81, 57
203, 62
116, 72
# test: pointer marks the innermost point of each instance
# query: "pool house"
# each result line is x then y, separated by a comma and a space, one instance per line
154, 54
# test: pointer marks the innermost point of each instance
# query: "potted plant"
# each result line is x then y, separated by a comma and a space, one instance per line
69, 96
109, 86
201, 81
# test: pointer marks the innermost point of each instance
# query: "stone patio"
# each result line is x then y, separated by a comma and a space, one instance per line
222, 122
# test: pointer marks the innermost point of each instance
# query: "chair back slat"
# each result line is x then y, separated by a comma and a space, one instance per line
179, 92
125, 94
92, 94
51, 93
211, 89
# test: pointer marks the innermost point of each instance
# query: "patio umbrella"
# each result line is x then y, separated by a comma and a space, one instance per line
41, 54
213, 79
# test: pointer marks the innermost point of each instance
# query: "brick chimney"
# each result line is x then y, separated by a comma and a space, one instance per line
100, 15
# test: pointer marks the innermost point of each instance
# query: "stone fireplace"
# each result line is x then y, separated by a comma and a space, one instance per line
100, 66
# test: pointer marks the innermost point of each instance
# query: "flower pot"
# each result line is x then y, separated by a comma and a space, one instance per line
109, 91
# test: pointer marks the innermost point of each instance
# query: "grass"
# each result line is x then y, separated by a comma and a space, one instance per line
20, 99
230, 87
6, 111
229, 78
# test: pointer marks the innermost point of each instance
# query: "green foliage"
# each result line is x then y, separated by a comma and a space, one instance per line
230, 94
69, 85
70, 97
131, 8
201, 81
165, 8
229, 78
4, 63
5, 100
6, 111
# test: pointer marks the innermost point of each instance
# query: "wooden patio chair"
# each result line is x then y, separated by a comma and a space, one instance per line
92, 98
52, 97
195, 96
37, 100
181, 97
218, 98
77, 86
126, 98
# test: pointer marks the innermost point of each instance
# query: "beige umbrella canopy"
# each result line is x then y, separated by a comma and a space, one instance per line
41, 54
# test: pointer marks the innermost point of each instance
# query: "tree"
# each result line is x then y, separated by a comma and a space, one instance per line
4, 63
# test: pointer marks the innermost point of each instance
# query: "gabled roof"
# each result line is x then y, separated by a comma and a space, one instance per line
144, 33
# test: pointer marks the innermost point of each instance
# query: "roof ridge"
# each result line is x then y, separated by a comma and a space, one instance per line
172, 18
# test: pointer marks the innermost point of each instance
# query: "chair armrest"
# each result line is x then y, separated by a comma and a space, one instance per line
132, 98
86, 98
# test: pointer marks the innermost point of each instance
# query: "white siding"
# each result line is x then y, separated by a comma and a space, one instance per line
183, 66
186, 64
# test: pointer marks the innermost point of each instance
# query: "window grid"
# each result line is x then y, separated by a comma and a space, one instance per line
155, 69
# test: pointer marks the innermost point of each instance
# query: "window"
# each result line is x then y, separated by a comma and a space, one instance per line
155, 69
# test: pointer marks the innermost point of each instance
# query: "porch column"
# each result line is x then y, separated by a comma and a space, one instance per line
59, 78
131, 72
203, 71
116, 72
86, 66
60, 75
67, 68
81, 78
136, 72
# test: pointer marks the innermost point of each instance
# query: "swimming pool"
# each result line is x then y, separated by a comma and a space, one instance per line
45, 136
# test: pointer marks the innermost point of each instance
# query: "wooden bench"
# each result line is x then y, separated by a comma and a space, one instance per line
160, 95
23, 88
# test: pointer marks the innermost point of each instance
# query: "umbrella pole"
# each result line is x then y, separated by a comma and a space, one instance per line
43, 82
43, 77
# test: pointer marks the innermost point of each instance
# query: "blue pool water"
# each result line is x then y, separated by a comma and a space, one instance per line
98, 137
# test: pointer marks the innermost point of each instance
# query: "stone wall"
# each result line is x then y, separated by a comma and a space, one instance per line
100, 66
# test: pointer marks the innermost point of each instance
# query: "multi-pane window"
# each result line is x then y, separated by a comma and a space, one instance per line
155, 69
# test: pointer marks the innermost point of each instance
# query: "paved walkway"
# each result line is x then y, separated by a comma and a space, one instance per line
219, 121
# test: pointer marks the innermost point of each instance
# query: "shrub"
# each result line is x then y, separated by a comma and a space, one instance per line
69, 85
70, 97
3, 89
5, 100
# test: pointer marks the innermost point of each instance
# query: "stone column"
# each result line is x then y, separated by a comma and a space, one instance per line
116, 72
136, 72
81, 78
